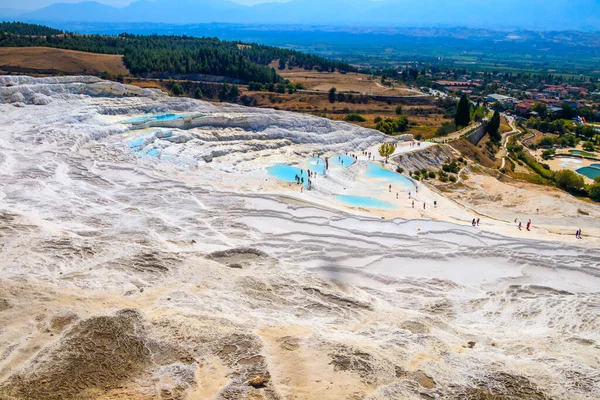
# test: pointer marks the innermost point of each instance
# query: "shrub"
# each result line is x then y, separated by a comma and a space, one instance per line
588, 146
377, 119
399, 170
594, 191
446, 129
534, 165
398, 109
354, 118
546, 142
418, 136
546, 154
568, 180
177, 89
452, 167
431, 174
423, 171
452, 178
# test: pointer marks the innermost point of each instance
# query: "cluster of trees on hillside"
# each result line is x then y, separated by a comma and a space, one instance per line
203, 60
175, 54
391, 126
281, 87
20, 28
334, 96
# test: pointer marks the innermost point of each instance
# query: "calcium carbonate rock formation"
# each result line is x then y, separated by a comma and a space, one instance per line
146, 253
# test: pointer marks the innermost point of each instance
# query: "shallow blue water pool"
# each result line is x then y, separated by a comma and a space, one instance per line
317, 165
138, 120
366, 202
287, 173
136, 143
342, 159
377, 171
168, 117
153, 153
154, 118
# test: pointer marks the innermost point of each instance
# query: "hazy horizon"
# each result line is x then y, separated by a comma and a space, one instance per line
511, 14
37, 4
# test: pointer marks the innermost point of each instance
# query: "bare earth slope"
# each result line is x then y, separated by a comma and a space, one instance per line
163, 262
48, 60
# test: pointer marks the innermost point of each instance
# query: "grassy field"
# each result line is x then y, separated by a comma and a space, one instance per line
475, 153
350, 82
47, 60
504, 127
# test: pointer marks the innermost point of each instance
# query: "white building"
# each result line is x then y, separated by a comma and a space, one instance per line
505, 100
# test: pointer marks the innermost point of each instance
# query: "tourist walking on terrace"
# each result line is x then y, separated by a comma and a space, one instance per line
413, 204
519, 225
390, 188
473, 222
477, 221
435, 204
528, 225
396, 195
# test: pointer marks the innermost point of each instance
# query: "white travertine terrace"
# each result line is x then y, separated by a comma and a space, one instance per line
223, 273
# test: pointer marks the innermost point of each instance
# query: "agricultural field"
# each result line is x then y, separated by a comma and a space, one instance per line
350, 82
45, 60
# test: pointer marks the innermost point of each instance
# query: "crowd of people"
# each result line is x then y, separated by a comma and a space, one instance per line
300, 179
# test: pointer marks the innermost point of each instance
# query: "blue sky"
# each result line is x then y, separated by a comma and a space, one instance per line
35, 4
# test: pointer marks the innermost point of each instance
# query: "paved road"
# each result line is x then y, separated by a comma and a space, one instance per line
456, 135
503, 152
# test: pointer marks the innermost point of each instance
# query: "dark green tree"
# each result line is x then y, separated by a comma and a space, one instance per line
198, 93
332, 95
463, 111
493, 128
234, 92
177, 89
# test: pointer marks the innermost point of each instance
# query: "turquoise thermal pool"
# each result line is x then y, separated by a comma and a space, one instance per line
366, 202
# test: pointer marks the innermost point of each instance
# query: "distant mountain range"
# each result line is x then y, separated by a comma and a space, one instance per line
520, 14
